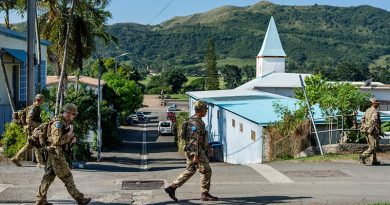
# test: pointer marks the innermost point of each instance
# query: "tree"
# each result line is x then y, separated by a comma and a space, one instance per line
175, 79
334, 98
249, 72
381, 74
232, 76
212, 78
125, 94
196, 85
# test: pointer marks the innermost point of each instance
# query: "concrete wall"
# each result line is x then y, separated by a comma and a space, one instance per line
288, 92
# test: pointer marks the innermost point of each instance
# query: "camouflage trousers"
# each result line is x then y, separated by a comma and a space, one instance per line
27, 146
204, 170
57, 165
373, 146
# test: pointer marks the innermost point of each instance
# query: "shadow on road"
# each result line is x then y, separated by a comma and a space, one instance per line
243, 200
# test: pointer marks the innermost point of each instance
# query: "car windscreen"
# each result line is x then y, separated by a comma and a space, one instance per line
165, 124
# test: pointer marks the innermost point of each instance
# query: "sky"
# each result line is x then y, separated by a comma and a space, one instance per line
156, 11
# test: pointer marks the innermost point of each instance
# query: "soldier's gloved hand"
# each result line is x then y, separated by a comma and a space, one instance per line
74, 139
195, 160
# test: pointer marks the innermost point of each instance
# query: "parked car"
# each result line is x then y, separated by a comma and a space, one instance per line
171, 107
165, 127
140, 116
133, 118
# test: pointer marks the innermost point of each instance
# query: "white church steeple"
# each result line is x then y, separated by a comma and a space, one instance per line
271, 58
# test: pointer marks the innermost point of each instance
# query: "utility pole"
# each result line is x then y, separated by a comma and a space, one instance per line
31, 11
99, 127
311, 114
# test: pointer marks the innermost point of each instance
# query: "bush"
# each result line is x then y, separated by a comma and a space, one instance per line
180, 119
14, 138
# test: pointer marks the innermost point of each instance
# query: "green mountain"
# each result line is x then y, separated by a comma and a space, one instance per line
322, 34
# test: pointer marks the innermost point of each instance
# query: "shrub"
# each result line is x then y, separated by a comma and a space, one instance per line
14, 138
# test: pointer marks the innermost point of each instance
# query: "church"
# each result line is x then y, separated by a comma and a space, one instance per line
236, 118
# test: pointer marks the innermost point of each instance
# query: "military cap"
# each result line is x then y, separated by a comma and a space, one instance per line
39, 97
71, 108
374, 101
200, 105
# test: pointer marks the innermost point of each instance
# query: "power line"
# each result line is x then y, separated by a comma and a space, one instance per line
166, 6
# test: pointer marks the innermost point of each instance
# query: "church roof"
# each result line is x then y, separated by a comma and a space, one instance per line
271, 44
275, 80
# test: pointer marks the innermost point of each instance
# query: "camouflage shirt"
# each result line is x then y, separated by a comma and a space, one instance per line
372, 119
198, 138
58, 133
33, 117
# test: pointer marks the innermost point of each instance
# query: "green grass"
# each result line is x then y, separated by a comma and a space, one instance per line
181, 97
381, 203
325, 158
228, 61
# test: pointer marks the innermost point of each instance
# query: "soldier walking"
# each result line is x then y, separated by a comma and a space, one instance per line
371, 125
196, 158
61, 133
33, 120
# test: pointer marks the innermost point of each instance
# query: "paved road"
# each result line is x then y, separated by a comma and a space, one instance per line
147, 162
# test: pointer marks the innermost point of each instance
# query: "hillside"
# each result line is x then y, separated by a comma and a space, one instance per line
309, 34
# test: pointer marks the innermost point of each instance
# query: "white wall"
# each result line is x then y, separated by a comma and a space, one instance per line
266, 65
13, 43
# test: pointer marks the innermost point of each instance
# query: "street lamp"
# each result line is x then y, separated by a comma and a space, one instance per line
116, 63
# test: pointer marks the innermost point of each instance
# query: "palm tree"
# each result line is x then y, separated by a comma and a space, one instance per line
78, 27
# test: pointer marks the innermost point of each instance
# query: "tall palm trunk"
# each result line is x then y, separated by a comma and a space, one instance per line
8, 88
60, 86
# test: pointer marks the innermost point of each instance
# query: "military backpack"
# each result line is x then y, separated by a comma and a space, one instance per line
40, 135
20, 116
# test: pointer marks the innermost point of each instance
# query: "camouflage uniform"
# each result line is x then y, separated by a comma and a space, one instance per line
33, 120
198, 145
195, 152
57, 165
372, 122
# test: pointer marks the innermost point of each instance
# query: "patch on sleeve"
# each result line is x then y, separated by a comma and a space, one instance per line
193, 128
57, 124
31, 112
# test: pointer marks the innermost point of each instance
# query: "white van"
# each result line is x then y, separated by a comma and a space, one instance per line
165, 127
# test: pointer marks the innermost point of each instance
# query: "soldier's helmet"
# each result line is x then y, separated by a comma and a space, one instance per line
71, 108
39, 97
200, 106
374, 101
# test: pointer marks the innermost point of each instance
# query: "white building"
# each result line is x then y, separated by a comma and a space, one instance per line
236, 118
13, 47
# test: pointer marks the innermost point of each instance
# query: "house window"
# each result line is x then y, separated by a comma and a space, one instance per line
233, 123
241, 127
253, 135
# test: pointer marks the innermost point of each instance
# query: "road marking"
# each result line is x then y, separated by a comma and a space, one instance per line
349, 172
144, 157
4, 187
271, 174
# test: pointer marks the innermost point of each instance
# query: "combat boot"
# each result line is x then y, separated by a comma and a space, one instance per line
375, 163
208, 197
171, 192
361, 159
16, 162
43, 203
83, 201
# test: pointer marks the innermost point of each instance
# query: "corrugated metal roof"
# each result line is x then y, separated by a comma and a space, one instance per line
21, 55
271, 44
275, 80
